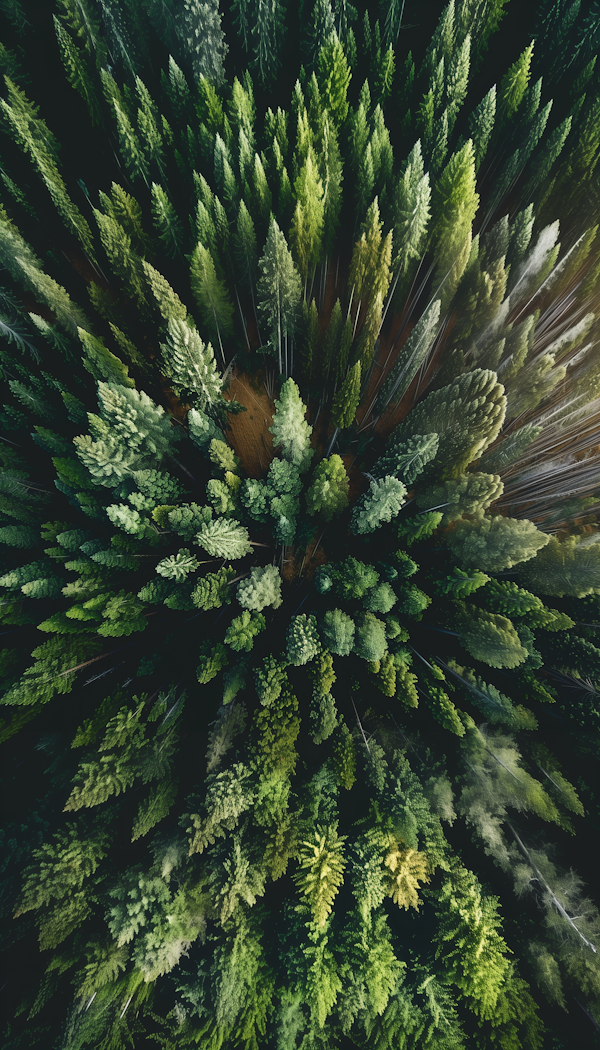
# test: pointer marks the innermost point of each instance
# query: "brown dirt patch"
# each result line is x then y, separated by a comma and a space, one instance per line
249, 434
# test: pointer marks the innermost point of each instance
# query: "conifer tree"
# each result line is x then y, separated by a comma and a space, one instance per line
454, 205
328, 493
346, 401
166, 222
77, 70
321, 872
202, 38
279, 292
191, 365
212, 297
268, 31
307, 223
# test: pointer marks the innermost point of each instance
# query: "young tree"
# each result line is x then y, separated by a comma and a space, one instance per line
223, 538
466, 422
481, 125
302, 640
290, 430
268, 31
513, 86
167, 300
370, 640
496, 543
320, 31
328, 492
334, 78
77, 71
241, 633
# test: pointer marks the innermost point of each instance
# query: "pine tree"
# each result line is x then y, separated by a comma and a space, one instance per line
223, 538
454, 205
481, 125
307, 223
77, 71
513, 86
211, 295
202, 39
302, 640
346, 401
190, 364
124, 261
262, 589
497, 382
268, 31
501, 542
337, 630
334, 78
167, 300
166, 222
290, 430
279, 292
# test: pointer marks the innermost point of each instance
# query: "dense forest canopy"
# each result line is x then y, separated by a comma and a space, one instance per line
299, 509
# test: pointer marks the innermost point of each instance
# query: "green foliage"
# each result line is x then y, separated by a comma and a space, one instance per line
337, 630
461, 584
177, 566
290, 430
222, 538
279, 291
269, 679
328, 492
302, 639
466, 415
347, 399
477, 352
212, 660
380, 504
491, 638
570, 567
370, 641
241, 633
130, 433
407, 459
495, 543
471, 952
190, 364
321, 871
262, 589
